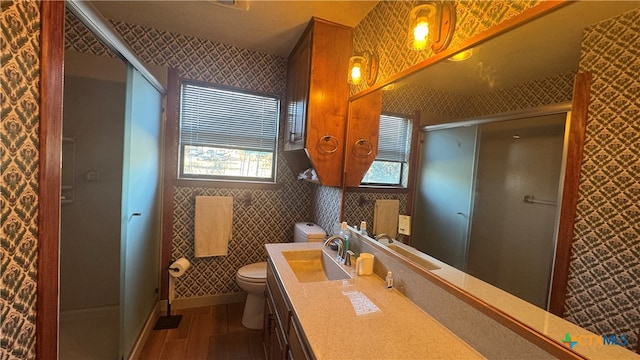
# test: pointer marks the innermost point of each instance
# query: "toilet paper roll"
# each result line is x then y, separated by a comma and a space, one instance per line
179, 267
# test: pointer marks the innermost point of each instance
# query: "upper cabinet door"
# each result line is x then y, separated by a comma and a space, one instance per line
298, 71
317, 98
362, 137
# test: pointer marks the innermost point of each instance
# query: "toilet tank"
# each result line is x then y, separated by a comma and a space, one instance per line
308, 232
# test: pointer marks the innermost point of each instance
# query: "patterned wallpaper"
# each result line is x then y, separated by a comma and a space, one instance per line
448, 107
604, 281
272, 214
383, 30
551, 90
19, 155
326, 206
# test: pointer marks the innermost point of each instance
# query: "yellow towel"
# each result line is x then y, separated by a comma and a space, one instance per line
385, 217
213, 224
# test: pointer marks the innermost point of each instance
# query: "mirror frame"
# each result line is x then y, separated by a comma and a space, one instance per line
574, 146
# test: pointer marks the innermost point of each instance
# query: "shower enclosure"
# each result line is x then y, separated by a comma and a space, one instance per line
486, 201
110, 216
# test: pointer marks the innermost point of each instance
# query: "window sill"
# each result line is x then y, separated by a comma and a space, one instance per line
378, 189
227, 184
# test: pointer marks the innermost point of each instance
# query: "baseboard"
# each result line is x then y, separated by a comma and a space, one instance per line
146, 331
200, 301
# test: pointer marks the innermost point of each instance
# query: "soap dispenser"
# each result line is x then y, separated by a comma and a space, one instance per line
363, 228
344, 233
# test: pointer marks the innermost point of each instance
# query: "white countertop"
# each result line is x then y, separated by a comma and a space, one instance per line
359, 318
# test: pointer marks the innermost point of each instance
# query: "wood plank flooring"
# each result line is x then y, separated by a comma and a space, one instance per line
212, 332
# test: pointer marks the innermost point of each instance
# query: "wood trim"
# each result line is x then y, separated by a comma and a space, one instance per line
575, 144
51, 90
170, 171
638, 350
527, 15
414, 155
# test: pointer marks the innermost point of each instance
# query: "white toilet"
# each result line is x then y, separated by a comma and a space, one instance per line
252, 278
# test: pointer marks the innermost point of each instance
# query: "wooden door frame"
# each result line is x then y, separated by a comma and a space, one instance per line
51, 94
575, 145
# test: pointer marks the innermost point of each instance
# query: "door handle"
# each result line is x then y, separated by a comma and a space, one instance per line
134, 214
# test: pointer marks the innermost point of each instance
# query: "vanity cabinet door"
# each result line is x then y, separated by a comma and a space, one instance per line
297, 347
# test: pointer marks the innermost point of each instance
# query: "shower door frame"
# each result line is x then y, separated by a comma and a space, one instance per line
52, 14
565, 185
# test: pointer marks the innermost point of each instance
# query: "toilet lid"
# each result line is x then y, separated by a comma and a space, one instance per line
257, 271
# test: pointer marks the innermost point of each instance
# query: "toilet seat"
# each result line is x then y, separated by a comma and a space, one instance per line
254, 273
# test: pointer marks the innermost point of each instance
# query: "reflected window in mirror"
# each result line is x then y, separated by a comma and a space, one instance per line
391, 166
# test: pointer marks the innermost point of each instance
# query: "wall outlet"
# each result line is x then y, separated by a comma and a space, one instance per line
404, 224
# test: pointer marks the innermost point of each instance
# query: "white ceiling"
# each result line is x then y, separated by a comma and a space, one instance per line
268, 26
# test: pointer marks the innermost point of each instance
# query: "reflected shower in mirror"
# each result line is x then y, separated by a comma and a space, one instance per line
471, 204
531, 67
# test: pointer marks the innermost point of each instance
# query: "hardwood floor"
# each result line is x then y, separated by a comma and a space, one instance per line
212, 332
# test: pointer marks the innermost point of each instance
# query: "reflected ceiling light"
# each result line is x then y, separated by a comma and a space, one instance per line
363, 68
431, 24
462, 55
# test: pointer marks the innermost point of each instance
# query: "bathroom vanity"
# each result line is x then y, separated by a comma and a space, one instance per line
317, 308
356, 317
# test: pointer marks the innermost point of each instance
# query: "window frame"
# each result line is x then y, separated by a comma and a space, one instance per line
230, 181
405, 166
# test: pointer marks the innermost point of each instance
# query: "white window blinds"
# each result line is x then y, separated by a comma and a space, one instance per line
394, 138
228, 119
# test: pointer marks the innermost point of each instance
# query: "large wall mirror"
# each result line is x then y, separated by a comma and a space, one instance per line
493, 150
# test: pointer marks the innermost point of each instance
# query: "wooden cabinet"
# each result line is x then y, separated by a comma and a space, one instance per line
362, 137
317, 100
282, 336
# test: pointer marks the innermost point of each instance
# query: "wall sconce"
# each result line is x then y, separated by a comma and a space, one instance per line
363, 68
431, 24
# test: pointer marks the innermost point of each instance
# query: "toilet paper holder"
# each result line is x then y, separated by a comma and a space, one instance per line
169, 321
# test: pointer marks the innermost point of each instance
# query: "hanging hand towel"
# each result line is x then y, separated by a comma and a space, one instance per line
385, 217
213, 224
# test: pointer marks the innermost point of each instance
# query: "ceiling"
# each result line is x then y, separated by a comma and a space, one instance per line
544, 47
267, 26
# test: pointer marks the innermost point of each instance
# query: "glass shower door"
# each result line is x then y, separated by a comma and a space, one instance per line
140, 227
444, 194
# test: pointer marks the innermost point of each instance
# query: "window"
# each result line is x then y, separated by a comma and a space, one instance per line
227, 134
394, 141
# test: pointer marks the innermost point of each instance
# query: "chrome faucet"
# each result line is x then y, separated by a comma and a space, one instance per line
342, 251
384, 236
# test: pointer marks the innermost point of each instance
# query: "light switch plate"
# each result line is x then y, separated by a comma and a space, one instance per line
404, 224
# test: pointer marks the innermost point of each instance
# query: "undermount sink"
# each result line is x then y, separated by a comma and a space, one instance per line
413, 257
314, 265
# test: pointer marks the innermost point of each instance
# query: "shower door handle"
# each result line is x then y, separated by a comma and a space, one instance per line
134, 214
